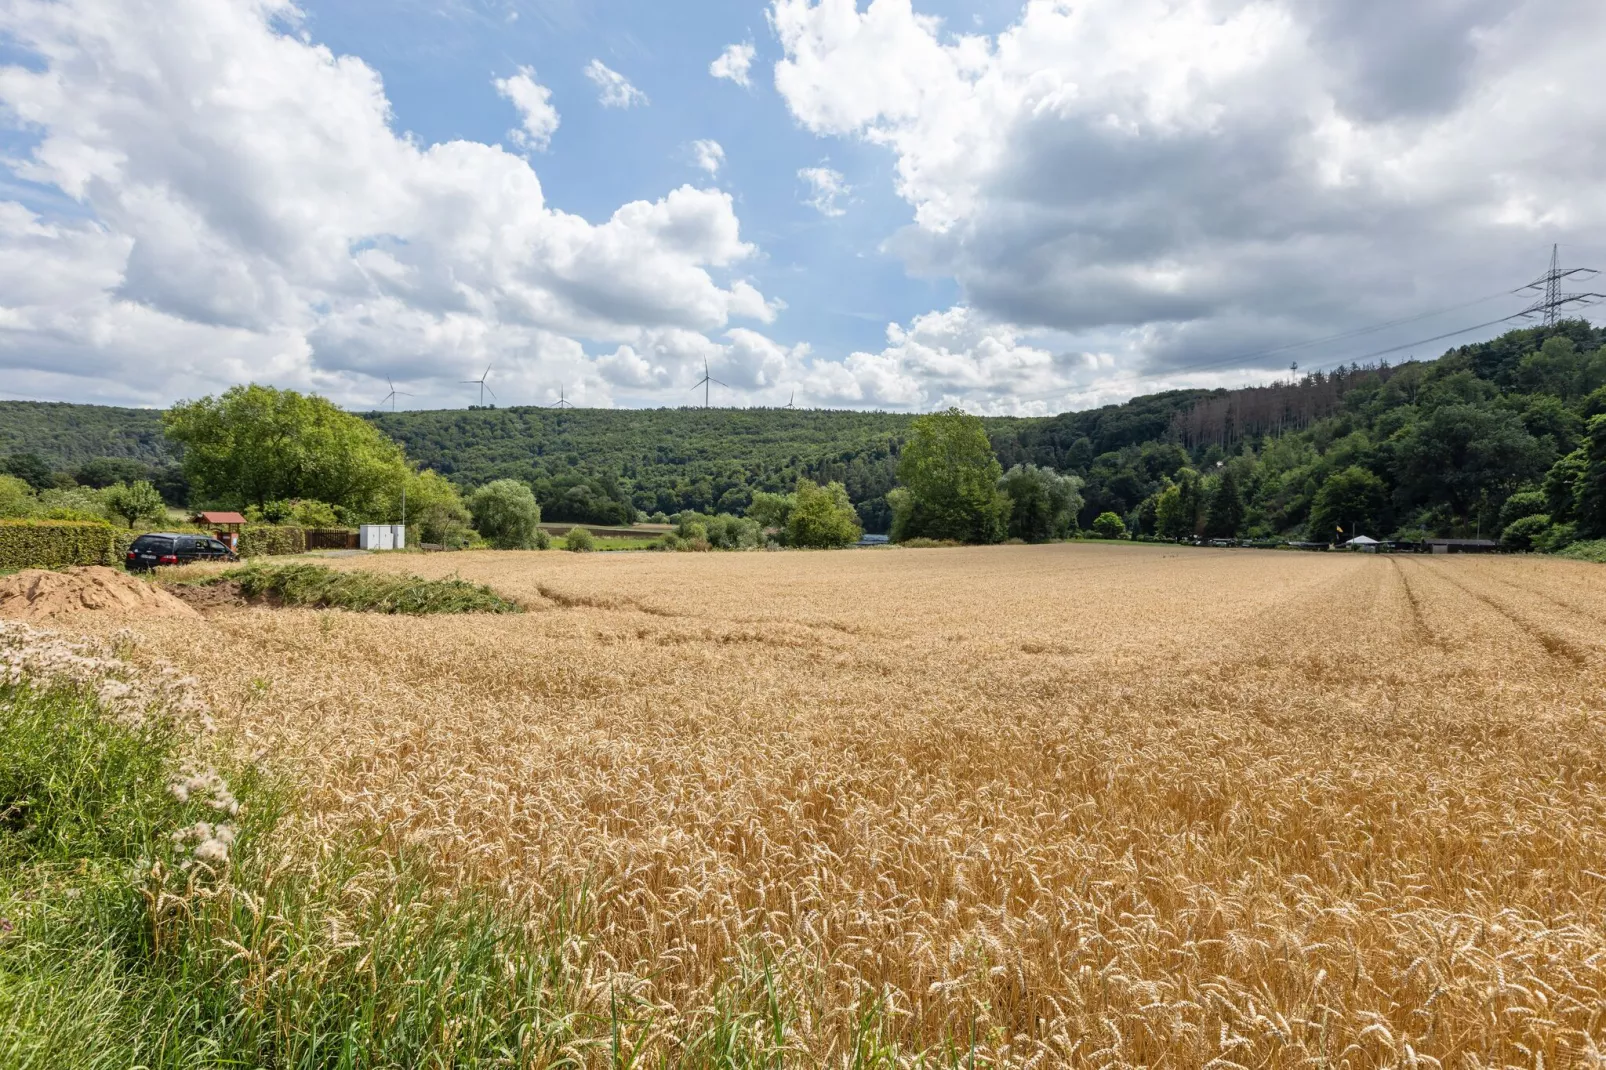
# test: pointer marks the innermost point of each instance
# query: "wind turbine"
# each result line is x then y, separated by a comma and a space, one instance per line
394, 394
562, 402
705, 381
791, 399
481, 383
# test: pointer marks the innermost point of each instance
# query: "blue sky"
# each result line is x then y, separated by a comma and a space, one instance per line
438, 60
1045, 206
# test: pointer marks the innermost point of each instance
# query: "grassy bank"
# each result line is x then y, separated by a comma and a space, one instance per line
321, 587
148, 927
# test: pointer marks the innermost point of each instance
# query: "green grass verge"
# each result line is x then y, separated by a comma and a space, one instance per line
118, 949
321, 587
610, 542
1589, 550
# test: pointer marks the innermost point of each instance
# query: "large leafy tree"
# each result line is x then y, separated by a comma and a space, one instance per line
1590, 485
1043, 503
1225, 516
435, 512
507, 514
1353, 500
30, 468
950, 478
1460, 454
256, 444
135, 502
771, 510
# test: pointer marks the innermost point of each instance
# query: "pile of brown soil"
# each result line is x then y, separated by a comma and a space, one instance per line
38, 594
209, 598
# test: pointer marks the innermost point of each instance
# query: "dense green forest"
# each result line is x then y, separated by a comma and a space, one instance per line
1461, 445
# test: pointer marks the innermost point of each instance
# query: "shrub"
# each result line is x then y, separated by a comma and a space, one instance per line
1521, 504
722, 532
16, 497
1524, 532
135, 502
580, 540
55, 543
1556, 538
72, 503
920, 542
822, 517
543, 540
1109, 526
1589, 550
271, 540
506, 513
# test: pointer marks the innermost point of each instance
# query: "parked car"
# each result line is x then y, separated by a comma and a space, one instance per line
167, 548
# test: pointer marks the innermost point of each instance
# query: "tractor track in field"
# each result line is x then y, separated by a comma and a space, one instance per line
1553, 644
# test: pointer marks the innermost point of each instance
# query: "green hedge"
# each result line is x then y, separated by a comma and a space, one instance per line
271, 540
56, 543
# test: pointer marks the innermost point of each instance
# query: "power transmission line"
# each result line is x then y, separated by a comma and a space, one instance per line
1554, 301
1549, 306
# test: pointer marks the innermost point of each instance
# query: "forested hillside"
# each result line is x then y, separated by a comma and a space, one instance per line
600, 464
65, 436
1438, 447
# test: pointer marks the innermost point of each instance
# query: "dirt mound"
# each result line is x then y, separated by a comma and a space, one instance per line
210, 598
38, 594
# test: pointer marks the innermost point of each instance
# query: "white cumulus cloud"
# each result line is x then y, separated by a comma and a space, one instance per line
538, 118
613, 89
1187, 179
734, 63
708, 155
827, 188
243, 209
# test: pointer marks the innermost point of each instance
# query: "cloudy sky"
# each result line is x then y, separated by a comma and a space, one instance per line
891, 204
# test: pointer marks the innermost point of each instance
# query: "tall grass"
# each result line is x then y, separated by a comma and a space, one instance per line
120, 948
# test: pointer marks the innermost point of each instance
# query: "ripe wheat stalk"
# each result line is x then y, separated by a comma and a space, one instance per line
1048, 805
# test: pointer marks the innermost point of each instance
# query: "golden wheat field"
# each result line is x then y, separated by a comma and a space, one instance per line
1062, 805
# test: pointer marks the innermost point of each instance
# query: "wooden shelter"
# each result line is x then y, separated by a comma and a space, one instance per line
226, 526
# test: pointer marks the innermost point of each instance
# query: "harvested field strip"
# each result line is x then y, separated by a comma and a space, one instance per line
1085, 804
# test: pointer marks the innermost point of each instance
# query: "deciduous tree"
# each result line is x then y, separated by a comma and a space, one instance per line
506, 514
256, 444
951, 476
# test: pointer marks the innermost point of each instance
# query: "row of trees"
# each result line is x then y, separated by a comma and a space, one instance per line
285, 457
1436, 447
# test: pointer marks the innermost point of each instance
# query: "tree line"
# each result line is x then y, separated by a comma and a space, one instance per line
1487, 436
